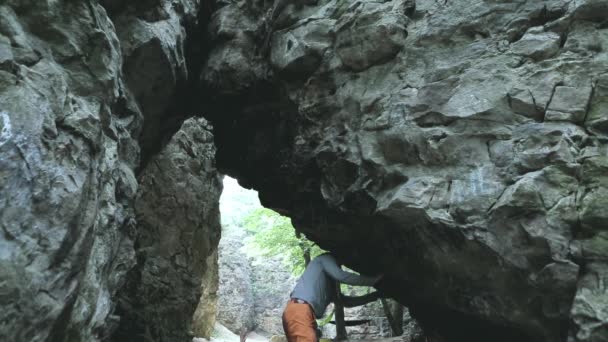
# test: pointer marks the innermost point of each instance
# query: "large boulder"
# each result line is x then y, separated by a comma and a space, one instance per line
455, 146
177, 208
79, 81
68, 149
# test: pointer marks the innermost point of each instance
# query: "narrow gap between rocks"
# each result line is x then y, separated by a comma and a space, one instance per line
259, 260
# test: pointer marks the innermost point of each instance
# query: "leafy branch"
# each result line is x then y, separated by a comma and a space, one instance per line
274, 235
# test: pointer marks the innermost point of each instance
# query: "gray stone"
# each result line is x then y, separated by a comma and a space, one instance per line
177, 207
585, 38
597, 118
205, 316
6, 53
71, 100
299, 50
522, 102
373, 37
569, 104
253, 289
589, 308
278, 338
235, 297
537, 45
67, 189
590, 9
452, 157
391, 116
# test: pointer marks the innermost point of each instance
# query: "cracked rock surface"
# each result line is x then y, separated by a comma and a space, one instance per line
177, 210
85, 86
459, 147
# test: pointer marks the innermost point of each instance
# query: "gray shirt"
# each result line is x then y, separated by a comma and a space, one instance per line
317, 284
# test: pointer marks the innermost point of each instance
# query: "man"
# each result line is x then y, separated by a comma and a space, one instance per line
313, 293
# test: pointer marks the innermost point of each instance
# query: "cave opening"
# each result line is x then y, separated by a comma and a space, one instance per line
259, 259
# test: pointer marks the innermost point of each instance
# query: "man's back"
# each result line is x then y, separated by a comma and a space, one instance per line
316, 286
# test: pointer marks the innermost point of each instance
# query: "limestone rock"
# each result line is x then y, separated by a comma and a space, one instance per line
450, 145
537, 45
278, 338
589, 308
67, 150
597, 117
253, 289
569, 104
272, 283
177, 208
372, 37
77, 80
457, 147
299, 51
235, 296
205, 315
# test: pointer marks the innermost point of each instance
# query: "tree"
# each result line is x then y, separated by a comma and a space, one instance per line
274, 235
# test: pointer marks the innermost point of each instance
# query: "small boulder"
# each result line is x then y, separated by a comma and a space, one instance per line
569, 104
537, 45
299, 51
374, 37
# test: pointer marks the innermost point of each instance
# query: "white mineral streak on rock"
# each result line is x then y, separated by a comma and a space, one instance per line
6, 131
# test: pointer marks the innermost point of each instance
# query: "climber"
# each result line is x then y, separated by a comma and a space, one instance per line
313, 293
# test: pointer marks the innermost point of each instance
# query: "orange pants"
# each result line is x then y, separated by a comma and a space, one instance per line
299, 323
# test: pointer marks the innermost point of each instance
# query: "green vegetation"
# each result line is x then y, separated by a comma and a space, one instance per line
274, 235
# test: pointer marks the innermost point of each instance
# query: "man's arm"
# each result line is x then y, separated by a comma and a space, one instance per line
330, 266
350, 302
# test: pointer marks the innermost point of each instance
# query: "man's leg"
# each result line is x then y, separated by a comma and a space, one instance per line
299, 323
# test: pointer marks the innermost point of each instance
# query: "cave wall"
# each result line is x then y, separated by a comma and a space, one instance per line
177, 212
69, 147
459, 147
90, 91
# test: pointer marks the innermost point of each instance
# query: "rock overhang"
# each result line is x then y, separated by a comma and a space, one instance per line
449, 157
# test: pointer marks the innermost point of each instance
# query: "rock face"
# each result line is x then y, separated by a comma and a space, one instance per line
177, 208
253, 290
459, 147
235, 292
272, 283
68, 149
205, 315
235, 297
77, 80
